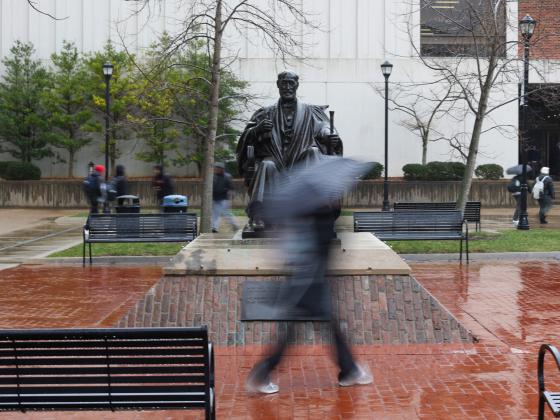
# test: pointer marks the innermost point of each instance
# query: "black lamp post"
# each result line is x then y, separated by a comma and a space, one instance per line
386, 69
527, 27
107, 73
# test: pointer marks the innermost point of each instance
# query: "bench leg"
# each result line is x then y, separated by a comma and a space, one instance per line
461, 250
467, 244
90, 254
84, 255
541, 406
211, 409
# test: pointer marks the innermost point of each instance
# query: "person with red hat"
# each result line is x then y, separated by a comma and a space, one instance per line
92, 188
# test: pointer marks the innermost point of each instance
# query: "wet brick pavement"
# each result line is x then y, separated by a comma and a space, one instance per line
511, 307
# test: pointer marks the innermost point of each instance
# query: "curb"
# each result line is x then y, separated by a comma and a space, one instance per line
119, 260
490, 256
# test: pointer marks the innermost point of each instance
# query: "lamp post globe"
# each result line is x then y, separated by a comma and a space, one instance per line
386, 69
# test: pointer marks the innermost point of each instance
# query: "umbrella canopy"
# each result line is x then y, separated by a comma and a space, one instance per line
518, 170
313, 185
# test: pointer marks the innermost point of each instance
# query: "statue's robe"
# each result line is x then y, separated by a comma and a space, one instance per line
282, 147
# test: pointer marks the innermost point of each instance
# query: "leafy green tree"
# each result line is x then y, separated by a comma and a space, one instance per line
67, 104
23, 128
175, 98
152, 122
123, 89
192, 107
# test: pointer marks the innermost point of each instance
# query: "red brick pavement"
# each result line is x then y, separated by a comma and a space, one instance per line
512, 307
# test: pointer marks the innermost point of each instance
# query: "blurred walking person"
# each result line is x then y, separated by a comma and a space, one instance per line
543, 192
94, 189
119, 183
222, 194
307, 206
161, 184
514, 187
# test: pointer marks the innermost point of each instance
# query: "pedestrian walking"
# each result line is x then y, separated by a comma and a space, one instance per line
543, 192
514, 187
222, 194
119, 183
307, 207
93, 188
162, 184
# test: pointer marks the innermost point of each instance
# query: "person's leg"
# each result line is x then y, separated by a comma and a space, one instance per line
258, 379
542, 214
228, 215
344, 357
216, 213
547, 205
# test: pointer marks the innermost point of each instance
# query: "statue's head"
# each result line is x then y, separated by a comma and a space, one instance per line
288, 83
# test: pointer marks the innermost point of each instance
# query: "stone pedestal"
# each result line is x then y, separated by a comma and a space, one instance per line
373, 295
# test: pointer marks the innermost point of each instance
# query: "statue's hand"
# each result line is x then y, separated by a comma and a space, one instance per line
331, 141
264, 126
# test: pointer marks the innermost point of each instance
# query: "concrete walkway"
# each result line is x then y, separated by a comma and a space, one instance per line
29, 234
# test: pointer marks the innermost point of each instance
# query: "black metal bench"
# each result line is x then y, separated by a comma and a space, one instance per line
107, 369
552, 399
472, 209
415, 225
140, 227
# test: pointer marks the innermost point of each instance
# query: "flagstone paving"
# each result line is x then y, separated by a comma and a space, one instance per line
511, 307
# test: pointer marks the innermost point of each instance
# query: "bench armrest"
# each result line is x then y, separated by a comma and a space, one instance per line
542, 352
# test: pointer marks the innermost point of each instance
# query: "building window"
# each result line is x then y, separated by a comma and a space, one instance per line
467, 28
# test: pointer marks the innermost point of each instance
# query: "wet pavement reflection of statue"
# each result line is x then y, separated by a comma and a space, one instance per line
276, 138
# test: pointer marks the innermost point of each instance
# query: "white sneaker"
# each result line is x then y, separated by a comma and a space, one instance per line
515, 222
362, 376
268, 387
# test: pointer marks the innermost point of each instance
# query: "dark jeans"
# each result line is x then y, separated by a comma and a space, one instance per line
93, 207
517, 206
545, 204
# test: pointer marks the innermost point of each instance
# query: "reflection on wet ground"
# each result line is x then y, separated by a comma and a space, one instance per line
512, 308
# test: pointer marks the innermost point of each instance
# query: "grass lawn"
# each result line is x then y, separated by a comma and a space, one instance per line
236, 212
510, 240
137, 249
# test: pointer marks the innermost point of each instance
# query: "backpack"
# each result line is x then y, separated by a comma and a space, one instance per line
538, 188
514, 185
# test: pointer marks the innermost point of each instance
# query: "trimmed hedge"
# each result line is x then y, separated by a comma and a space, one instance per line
19, 171
489, 171
434, 171
375, 171
415, 172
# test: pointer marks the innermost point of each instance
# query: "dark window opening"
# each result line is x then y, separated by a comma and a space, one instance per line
468, 28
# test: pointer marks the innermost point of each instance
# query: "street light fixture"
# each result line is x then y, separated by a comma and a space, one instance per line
386, 69
527, 27
107, 73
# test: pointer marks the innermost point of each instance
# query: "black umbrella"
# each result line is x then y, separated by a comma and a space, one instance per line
518, 170
313, 185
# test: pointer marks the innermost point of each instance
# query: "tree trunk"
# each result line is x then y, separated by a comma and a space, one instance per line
70, 164
424, 150
475, 137
208, 167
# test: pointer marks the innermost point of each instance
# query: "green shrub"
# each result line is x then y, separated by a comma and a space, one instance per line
434, 171
19, 171
445, 171
375, 171
415, 172
489, 171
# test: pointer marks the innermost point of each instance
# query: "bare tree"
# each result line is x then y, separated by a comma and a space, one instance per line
423, 105
471, 52
276, 23
34, 6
